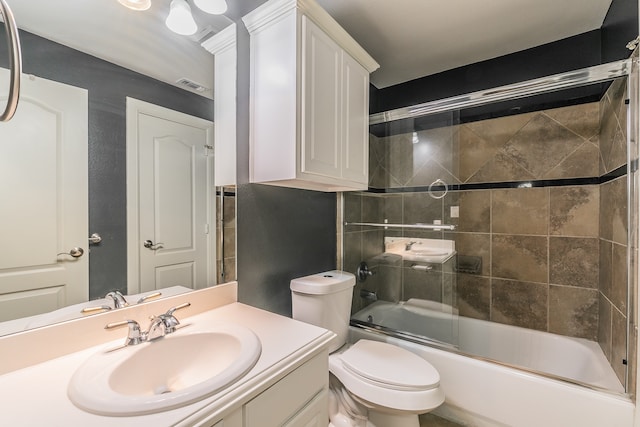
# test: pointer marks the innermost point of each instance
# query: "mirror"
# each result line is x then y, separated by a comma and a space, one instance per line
113, 53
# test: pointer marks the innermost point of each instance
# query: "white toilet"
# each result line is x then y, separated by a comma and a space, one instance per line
373, 384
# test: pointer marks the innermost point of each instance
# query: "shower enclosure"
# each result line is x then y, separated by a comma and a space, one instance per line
502, 225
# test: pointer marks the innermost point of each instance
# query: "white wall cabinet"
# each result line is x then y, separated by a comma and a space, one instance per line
223, 47
309, 99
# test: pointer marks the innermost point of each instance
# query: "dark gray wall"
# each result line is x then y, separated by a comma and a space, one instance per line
108, 86
282, 233
619, 28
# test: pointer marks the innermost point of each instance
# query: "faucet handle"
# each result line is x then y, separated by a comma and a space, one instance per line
134, 336
148, 297
178, 307
169, 320
96, 309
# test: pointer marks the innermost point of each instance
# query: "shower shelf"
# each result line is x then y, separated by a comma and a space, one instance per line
417, 226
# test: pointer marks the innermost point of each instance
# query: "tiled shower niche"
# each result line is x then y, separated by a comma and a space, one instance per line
553, 256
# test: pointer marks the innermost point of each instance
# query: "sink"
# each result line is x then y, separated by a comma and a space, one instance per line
420, 249
166, 373
427, 251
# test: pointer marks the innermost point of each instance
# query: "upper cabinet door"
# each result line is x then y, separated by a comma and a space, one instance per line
309, 99
355, 109
321, 102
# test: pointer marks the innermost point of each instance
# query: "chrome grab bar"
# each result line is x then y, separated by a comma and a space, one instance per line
15, 61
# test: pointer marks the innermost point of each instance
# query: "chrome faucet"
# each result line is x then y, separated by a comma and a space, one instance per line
169, 320
409, 245
160, 326
165, 323
118, 299
135, 335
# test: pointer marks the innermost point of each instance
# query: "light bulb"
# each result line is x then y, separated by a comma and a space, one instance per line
180, 20
214, 7
136, 4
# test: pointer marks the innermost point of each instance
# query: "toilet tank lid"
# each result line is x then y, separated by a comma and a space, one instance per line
324, 283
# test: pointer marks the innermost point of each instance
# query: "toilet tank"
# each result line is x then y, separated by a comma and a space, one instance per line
324, 300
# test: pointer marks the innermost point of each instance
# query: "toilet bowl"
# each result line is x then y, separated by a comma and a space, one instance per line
373, 384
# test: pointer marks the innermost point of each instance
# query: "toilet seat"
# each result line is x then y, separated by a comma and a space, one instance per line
388, 376
390, 366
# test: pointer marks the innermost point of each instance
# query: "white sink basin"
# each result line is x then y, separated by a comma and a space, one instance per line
428, 252
170, 372
419, 249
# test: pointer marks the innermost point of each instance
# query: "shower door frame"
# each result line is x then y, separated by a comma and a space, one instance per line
568, 80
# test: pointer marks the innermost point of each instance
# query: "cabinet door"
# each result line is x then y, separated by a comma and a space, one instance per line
321, 102
284, 401
355, 115
315, 414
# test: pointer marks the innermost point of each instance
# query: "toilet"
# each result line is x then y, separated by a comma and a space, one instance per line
372, 384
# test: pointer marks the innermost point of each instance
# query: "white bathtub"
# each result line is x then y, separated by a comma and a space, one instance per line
481, 393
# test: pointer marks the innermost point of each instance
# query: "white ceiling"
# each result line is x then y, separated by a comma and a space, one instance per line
409, 38
136, 40
415, 38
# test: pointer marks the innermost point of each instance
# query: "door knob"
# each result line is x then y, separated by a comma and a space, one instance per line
75, 252
153, 246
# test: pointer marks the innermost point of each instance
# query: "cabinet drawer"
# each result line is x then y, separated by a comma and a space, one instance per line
285, 398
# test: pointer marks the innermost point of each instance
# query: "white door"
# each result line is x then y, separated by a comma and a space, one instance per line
169, 198
43, 193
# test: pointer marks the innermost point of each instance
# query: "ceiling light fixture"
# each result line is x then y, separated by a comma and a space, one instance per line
136, 4
180, 20
214, 7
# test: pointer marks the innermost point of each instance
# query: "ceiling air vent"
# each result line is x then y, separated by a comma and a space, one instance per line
190, 84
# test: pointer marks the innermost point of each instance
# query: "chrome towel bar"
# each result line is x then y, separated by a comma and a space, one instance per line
15, 61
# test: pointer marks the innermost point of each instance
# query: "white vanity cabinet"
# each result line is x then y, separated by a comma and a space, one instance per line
300, 399
309, 99
287, 386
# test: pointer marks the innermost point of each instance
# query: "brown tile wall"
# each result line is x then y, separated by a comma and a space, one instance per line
539, 267
226, 238
498, 150
553, 258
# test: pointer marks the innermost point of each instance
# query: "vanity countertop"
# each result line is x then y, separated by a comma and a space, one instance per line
37, 395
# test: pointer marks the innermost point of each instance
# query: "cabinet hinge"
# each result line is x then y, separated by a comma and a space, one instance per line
206, 229
207, 149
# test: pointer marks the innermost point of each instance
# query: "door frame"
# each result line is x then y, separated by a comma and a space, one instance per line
135, 107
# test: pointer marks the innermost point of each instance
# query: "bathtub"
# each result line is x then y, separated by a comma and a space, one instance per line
481, 393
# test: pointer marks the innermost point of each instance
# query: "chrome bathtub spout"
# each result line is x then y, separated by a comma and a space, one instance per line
368, 295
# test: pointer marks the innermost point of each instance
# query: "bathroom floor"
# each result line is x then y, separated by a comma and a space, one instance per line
430, 420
